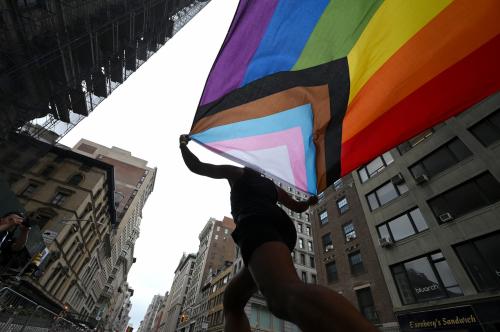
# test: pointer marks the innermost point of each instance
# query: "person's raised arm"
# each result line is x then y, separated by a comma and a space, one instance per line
232, 173
292, 204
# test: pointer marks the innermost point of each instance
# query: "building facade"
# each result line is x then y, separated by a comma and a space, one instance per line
68, 198
434, 210
177, 294
345, 255
134, 182
147, 324
215, 249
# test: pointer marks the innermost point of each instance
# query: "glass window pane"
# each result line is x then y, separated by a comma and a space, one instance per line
458, 149
374, 166
383, 232
372, 201
482, 275
264, 318
401, 227
363, 175
486, 132
418, 220
386, 193
489, 249
438, 161
388, 158
489, 186
417, 170
253, 315
447, 278
402, 188
464, 199
331, 271
423, 280
404, 287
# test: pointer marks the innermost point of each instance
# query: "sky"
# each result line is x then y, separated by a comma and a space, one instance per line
145, 116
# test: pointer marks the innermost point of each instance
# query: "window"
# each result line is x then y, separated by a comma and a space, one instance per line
216, 236
59, 198
385, 194
425, 279
47, 171
412, 222
487, 131
75, 179
30, 190
309, 245
366, 304
301, 243
327, 241
331, 272
308, 230
226, 231
343, 205
375, 166
356, 263
471, 195
349, 231
311, 261
217, 229
323, 217
313, 279
441, 159
480, 259
304, 276
302, 259
338, 184
299, 227
407, 146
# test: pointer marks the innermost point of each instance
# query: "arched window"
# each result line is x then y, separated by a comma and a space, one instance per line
76, 179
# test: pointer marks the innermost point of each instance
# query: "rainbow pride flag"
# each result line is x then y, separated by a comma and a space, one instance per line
308, 90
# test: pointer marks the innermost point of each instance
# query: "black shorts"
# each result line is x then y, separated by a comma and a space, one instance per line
253, 231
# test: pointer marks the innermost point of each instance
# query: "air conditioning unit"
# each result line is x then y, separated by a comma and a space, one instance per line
398, 179
445, 217
329, 247
421, 179
385, 242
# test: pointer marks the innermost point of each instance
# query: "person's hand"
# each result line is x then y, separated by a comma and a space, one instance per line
184, 139
312, 200
11, 220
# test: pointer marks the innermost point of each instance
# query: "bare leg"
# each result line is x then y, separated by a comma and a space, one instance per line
313, 308
236, 296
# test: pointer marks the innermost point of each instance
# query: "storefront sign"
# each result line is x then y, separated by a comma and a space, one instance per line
440, 319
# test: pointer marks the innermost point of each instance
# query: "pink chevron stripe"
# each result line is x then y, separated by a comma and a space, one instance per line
291, 138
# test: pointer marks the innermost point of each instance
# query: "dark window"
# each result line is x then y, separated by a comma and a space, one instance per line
385, 194
311, 261
304, 276
331, 272
471, 195
29, 190
441, 159
425, 279
349, 231
482, 262
356, 263
313, 279
59, 198
48, 171
323, 217
302, 259
343, 205
412, 222
327, 241
366, 304
375, 166
487, 131
75, 179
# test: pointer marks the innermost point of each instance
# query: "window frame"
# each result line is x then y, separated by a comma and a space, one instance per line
323, 220
345, 207
358, 268
374, 192
331, 279
412, 222
352, 231
364, 168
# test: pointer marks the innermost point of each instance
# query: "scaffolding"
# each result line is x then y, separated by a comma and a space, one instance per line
61, 58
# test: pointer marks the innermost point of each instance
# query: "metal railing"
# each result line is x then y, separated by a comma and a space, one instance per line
20, 314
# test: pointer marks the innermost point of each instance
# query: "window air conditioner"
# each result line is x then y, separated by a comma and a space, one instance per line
385, 242
329, 247
397, 179
445, 217
421, 179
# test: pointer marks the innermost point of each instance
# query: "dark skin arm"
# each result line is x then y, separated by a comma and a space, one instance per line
289, 202
229, 172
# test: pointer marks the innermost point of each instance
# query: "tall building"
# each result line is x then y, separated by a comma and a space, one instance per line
147, 324
60, 59
215, 249
134, 182
214, 293
177, 294
346, 260
68, 198
434, 210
